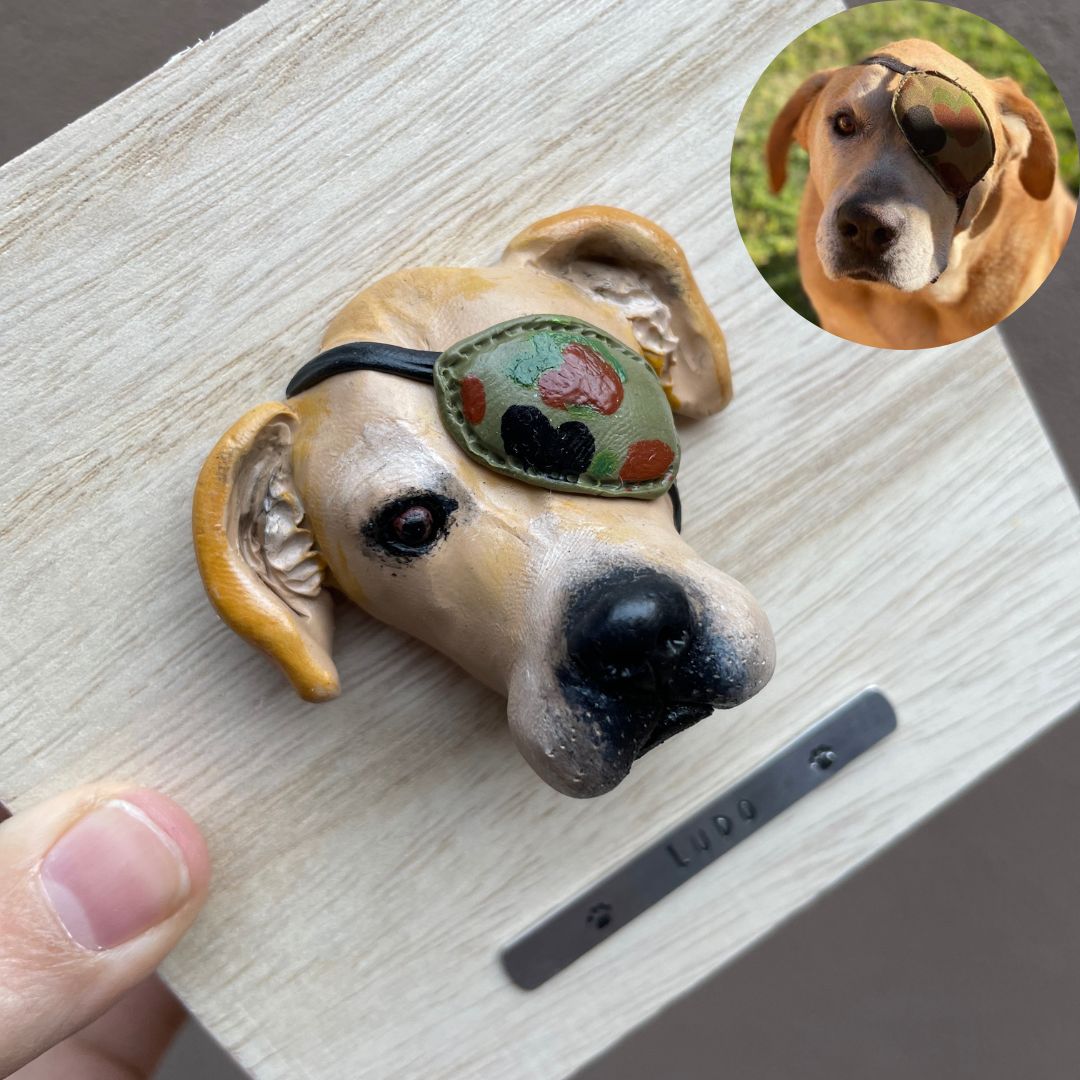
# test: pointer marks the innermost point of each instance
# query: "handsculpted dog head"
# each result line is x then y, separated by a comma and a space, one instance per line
590, 613
906, 148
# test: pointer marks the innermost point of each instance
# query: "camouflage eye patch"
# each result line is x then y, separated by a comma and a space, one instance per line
945, 126
551, 401
947, 129
559, 403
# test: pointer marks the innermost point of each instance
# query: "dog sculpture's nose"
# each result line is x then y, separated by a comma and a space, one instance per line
627, 632
868, 229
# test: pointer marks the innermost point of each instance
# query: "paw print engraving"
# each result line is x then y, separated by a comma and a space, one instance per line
823, 757
599, 916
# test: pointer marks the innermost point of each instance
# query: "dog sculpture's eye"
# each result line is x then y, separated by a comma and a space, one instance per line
844, 124
414, 527
411, 525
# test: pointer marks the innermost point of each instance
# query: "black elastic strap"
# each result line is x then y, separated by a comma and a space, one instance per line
676, 506
416, 364
891, 63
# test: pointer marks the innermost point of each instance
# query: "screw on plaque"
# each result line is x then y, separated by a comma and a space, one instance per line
823, 757
599, 916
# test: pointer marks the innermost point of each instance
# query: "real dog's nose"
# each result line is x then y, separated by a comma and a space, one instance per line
865, 228
629, 631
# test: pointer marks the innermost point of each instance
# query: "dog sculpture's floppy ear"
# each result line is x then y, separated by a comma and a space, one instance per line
790, 126
1029, 137
258, 562
634, 265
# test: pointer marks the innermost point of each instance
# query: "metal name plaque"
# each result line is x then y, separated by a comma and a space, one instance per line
804, 764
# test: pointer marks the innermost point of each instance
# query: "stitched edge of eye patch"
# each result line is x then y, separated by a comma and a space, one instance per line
558, 403
948, 130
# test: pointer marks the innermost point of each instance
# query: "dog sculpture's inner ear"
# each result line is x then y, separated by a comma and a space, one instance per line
262, 570
632, 265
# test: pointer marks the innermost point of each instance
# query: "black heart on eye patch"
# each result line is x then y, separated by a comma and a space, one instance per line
562, 452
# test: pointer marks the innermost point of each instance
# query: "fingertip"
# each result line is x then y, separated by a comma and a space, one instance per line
178, 825
98, 885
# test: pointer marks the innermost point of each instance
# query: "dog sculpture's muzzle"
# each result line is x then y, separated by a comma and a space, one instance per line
643, 662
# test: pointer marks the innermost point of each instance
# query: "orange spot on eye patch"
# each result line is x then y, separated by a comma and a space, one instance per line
473, 399
646, 460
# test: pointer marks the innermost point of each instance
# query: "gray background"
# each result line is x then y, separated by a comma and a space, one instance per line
954, 954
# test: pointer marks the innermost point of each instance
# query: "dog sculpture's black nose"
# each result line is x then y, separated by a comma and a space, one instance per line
629, 631
867, 229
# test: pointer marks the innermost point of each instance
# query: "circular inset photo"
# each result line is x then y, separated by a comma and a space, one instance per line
904, 174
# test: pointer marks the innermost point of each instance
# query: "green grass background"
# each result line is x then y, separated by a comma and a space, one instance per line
768, 222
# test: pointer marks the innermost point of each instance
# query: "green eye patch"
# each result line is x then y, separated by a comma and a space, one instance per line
550, 401
945, 126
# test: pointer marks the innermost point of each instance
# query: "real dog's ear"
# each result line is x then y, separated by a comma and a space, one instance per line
633, 265
790, 126
1029, 137
258, 562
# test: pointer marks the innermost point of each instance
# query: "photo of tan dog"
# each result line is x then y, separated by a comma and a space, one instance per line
597, 621
893, 251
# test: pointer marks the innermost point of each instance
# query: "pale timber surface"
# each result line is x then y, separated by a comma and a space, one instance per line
170, 259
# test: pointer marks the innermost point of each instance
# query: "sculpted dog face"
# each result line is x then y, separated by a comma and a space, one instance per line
604, 630
884, 217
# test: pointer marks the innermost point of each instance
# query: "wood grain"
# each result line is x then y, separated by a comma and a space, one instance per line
166, 262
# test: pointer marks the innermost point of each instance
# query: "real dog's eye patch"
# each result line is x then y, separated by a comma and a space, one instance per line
947, 129
945, 126
560, 404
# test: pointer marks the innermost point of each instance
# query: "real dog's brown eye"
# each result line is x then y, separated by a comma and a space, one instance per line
411, 525
844, 124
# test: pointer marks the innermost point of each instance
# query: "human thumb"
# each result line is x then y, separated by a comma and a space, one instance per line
96, 886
